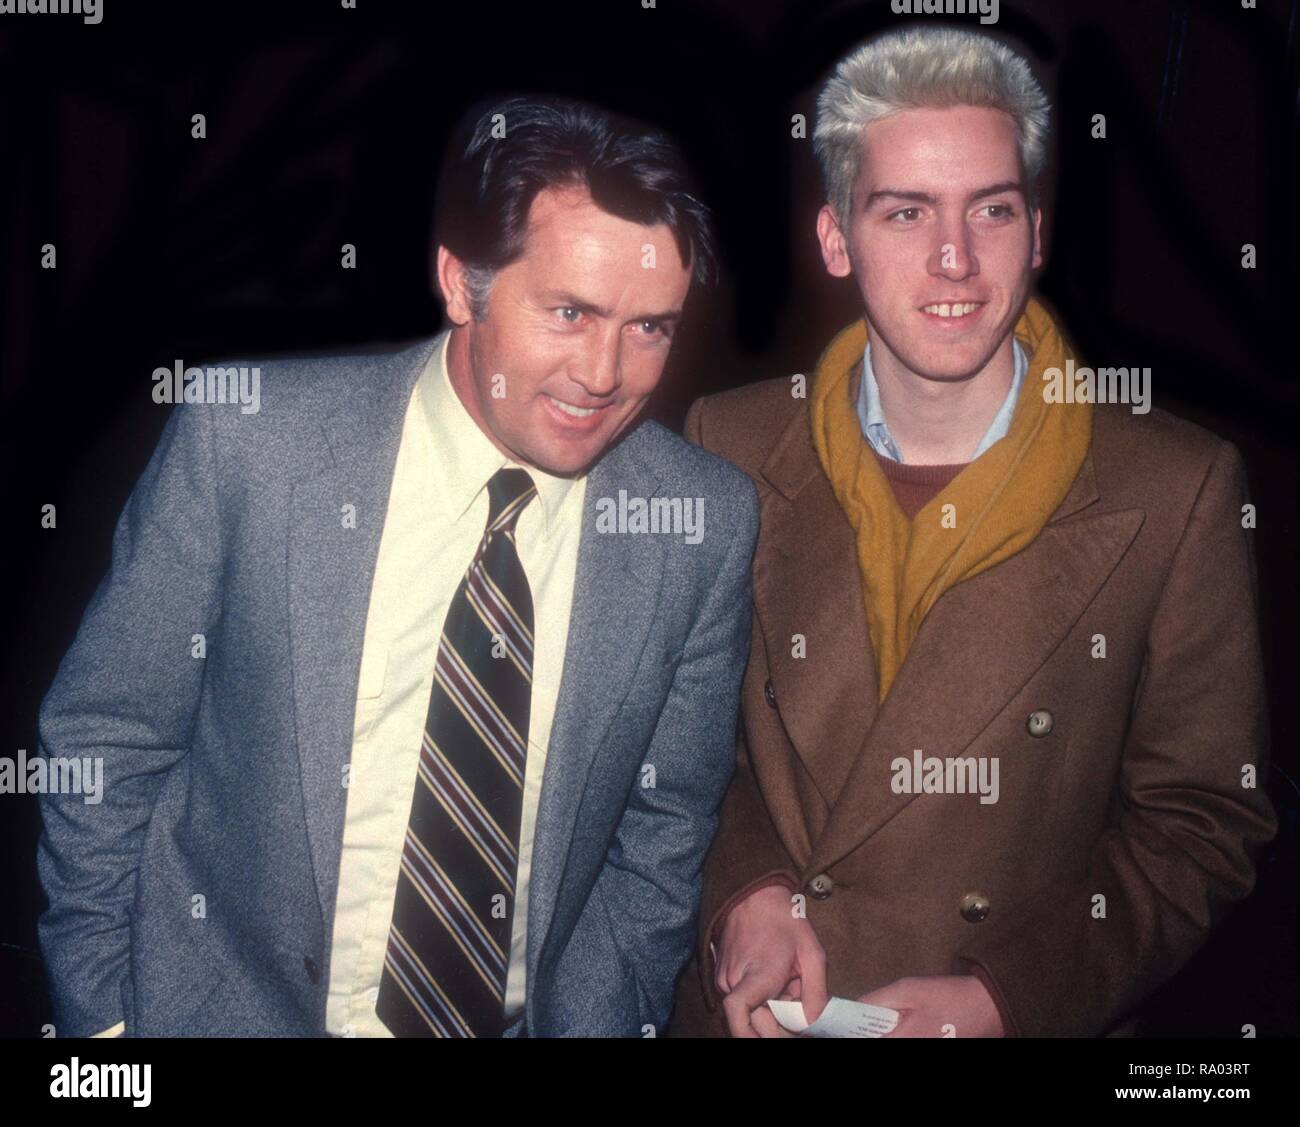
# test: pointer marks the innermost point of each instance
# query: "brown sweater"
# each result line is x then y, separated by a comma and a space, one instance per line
915, 486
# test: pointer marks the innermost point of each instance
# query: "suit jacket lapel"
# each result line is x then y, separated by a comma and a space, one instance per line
980, 644
808, 584
348, 461
615, 593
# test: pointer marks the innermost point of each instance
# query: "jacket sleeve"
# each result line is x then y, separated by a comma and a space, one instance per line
1192, 817
651, 878
747, 854
126, 693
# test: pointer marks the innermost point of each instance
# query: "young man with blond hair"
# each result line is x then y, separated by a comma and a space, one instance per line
966, 583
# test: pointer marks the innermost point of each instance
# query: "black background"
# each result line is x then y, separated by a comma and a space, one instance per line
324, 127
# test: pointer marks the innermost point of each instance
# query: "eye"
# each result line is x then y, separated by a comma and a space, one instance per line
653, 329
999, 210
569, 314
906, 214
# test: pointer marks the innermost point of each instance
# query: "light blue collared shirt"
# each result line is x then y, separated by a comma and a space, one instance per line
876, 431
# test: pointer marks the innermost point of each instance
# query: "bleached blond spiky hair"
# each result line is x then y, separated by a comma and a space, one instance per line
920, 67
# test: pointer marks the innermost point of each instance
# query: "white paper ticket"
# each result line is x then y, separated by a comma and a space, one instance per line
840, 1018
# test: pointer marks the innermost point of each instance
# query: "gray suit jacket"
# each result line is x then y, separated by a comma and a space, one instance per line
223, 774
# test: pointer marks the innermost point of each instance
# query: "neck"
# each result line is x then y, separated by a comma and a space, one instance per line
460, 371
940, 422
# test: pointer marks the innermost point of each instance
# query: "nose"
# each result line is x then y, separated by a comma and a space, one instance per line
953, 257
598, 369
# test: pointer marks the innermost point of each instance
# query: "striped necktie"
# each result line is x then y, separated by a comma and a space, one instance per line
449, 944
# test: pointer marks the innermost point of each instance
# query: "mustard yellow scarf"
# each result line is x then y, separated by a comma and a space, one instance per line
1000, 501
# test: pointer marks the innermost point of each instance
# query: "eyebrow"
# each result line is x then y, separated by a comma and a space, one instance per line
561, 297
925, 197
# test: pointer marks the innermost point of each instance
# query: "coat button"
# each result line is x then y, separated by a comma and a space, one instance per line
821, 886
974, 907
1040, 723
313, 971
770, 694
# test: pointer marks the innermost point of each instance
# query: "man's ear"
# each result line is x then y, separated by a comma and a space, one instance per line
1038, 239
451, 281
835, 252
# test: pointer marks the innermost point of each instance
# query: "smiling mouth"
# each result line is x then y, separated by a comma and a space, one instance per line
953, 311
571, 410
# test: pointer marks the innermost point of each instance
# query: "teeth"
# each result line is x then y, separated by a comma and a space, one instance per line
570, 409
957, 310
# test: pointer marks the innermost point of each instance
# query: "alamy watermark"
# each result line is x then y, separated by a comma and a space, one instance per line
1104, 385
95, 1080
680, 516
54, 774
91, 11
987, 10
179, 384
928, 774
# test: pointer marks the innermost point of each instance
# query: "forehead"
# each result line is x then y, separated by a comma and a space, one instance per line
940, 151
565, 226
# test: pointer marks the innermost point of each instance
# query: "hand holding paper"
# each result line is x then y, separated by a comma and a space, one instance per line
767, 951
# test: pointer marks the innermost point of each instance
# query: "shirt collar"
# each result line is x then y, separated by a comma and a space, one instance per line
871, 415
1001, 423
464, 458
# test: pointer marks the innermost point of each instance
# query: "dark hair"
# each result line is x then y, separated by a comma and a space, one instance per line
488, 180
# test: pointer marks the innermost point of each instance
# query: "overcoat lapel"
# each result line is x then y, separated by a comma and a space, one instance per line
806, 585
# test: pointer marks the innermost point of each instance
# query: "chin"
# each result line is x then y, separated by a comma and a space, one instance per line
951, 366
952, 373
563, 463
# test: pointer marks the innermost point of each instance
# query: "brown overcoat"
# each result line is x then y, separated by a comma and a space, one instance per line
1128, 817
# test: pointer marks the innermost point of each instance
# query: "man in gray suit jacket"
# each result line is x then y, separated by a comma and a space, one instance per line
415, 687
